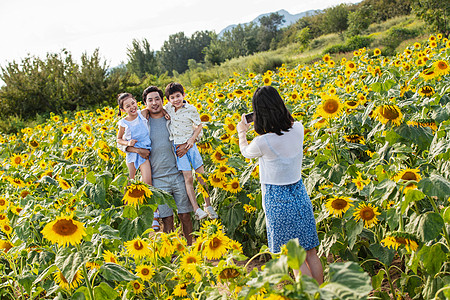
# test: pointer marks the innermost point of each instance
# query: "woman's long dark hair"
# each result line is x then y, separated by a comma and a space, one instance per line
270, 113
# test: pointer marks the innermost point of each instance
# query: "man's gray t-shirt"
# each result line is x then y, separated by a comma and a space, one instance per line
162, 158
165, 174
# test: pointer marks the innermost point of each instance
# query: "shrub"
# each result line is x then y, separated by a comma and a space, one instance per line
354, 43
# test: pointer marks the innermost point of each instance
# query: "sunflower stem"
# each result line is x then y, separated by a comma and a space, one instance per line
444, 228
85, 274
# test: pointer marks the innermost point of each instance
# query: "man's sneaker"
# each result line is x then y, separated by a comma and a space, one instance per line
211, 212
200, 214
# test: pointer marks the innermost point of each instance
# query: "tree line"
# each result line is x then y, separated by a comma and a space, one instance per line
37, 86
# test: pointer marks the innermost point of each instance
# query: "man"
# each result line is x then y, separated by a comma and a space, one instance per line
165, 174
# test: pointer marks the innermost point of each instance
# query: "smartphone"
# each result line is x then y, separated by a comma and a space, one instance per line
249, 118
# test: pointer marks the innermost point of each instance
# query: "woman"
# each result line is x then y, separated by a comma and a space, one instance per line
279, 148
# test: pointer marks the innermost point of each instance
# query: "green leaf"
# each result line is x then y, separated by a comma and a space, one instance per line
430, 226
91, 177
376, 87
129, 212
348, 281
446, 215
120, 181
106, 232
296, 254
44, 274
234, 216
115, 272
104, 292
420, 136
26, 280
411, 196
353, 229
261, 224
69, 262
433, 259
334, 173
383, 254
378, 279
435, 185
82, 293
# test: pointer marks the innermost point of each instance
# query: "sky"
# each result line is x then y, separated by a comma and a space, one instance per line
38, 27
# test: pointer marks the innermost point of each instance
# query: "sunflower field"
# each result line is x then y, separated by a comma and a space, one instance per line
376, 165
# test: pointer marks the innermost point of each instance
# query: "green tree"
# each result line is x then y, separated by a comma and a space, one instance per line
268, 30
141, 59
358, 21
57, 83
335, 19
434, 12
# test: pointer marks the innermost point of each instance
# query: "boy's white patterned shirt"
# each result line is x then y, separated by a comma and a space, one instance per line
182, 122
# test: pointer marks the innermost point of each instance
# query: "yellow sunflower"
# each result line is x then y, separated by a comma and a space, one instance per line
33, 144
354, 138
408, 175
216, 246
6, 228
190, 260
145, 272
428, 74
229, 272
137, 247
64, 230
205, 118
330, 107
109, 257
249, 209
233, 186
426, 90
386, 113
267, 80
16, 160
167, 247
235, 245
360, 182
180, 290
5, 245
3, 218
86, 128
376, 52
64, 184
136, 194
430, 123
218, 156
3, 203
136, 286
64, 283
338, 205
441, 67
395, 239
368, 213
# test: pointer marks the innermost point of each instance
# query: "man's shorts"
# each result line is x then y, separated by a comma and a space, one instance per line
174, 185
191, 160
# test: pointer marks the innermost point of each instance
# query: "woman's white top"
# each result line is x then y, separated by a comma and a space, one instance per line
280, 156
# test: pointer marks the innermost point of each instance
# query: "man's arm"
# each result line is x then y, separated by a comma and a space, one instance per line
144, 153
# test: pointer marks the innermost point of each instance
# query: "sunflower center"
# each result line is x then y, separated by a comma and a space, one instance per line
218, 156
145, 271
2, 202
17, 160
339, 204
136, 193
390, 113
367, 213
409, 176
65, 227
331, 106
222, 169
138, 245
352, 103
442, 65
215, 243
191, 260
136, 285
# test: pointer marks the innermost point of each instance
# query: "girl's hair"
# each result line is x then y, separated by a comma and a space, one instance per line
270, 113
121, 98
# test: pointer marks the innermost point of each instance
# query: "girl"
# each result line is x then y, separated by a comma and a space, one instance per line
133, 131
279, 147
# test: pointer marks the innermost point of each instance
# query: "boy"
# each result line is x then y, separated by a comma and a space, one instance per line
186, 127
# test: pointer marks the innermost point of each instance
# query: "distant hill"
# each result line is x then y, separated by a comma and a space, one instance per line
289, 19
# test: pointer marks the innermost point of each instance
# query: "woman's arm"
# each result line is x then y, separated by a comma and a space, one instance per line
248, 151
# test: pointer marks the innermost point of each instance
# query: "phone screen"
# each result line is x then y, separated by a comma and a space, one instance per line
249, 118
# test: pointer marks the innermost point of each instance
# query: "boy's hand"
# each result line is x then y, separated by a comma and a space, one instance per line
190, 143
166, 114
131, 142
181, 150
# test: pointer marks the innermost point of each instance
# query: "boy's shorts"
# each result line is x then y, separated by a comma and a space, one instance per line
191, 160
